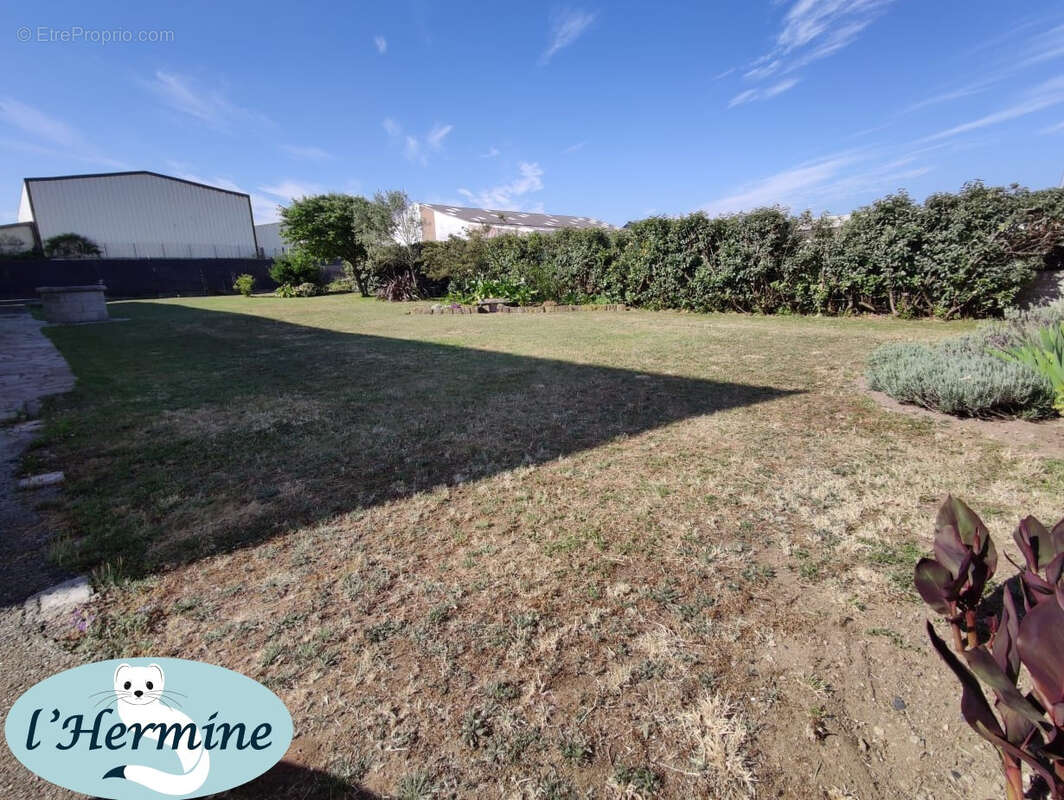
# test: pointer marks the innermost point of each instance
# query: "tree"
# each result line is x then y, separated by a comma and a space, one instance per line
392, 226
71, 245
330, 227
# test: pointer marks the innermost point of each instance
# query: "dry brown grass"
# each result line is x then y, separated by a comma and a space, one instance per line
659, 611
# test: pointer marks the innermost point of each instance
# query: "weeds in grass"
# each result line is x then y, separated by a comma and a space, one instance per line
476, 727
416, 786
639, 778
575, 748
719, 738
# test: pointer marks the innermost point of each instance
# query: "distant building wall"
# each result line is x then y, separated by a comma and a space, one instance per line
270, 242
17, 237
142, 215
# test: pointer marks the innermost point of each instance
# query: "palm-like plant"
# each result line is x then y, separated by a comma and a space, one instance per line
1044, 353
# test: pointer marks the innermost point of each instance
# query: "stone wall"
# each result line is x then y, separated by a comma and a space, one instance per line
1047, 287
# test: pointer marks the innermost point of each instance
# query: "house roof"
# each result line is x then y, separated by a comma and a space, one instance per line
517, 219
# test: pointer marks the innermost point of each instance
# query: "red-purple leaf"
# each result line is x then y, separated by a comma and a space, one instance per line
984, 666
935, 585
1004, 646
1041, 646
974, 707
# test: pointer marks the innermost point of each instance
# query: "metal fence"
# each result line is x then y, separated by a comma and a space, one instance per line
147, 277
141, 250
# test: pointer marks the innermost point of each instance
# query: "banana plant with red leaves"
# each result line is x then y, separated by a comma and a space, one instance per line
1027, 729
952, 582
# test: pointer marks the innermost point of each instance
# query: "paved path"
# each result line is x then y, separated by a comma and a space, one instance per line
30, 368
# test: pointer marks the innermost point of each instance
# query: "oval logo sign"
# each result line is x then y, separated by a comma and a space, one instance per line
148, 728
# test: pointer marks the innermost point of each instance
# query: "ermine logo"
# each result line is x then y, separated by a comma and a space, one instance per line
148, 729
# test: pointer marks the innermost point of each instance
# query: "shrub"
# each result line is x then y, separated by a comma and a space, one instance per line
306, 290
1027, 729
244, 284
958, 377
397, 288
339, 286
296, 267
71, 245
1043, 352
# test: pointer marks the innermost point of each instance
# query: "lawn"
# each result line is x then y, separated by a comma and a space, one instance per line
552, 555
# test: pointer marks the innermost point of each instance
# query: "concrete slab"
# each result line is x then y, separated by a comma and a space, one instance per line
40, 481
59, 599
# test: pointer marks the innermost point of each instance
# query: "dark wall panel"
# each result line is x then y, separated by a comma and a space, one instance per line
156, 277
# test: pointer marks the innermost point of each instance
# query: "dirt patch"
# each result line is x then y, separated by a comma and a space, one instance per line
1042, 438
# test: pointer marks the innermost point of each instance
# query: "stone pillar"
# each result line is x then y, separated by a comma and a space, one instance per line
66, 304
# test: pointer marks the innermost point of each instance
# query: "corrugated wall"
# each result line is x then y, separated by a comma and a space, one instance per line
145, 216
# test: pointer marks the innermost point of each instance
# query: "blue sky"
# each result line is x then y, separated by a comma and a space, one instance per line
613, 110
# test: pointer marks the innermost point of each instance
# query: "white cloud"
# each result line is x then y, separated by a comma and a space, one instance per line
1044, 47
505, 197
811, 30
566, 28
828, 24
783, 188
51, 137
1053, 128
416, 148
844, 177
750, 95
946, 97
210, 107
36, 123
1049, 94
290, 189
414, 151
57, 154
310, 153
381, 44
575, 147
437, 135
493, 152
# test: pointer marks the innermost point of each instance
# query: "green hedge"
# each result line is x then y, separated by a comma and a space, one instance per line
957, 255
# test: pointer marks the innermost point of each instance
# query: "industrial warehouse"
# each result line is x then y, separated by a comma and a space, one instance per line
141, 215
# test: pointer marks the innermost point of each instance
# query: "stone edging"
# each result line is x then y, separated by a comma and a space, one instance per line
439, 308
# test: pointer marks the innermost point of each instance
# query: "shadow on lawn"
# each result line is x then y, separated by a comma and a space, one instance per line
289, 780
195, 431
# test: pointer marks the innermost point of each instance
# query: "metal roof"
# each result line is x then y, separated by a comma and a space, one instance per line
136, 172
517, 219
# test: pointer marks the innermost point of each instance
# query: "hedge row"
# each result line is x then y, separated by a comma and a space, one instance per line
964, 254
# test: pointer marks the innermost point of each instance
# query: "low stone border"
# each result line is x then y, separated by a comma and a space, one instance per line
455, 308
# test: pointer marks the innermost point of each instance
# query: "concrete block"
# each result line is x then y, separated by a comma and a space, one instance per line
40, 481
59, 598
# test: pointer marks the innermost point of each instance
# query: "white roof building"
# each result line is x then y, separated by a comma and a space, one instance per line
439, 222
